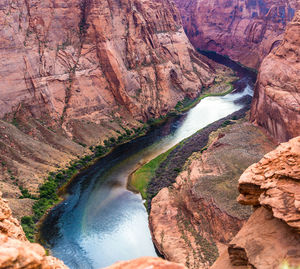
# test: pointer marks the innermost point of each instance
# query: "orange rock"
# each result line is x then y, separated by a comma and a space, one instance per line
16, 251
271, 236
9, 226
86, 61
276, 103
274, 182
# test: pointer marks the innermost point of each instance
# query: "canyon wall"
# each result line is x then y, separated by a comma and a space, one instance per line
85, 60
276, 102
271, 237
245, 30
72, 73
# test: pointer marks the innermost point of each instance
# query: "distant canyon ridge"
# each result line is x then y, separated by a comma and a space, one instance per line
246, 30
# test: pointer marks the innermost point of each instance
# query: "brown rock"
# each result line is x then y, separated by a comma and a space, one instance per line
15, 250
274, 182
16, 254
276, 103
264, 242
9, 226
271, 236
85, 61
246, 31
147, 263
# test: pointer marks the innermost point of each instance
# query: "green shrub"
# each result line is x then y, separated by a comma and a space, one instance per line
28, 226
25, 194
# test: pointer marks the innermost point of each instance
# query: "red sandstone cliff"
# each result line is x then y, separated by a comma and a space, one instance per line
75, 72
84, 60
246, 31
271, 235
276, 103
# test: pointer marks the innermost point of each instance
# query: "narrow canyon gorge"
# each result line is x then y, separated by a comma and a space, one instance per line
130, 101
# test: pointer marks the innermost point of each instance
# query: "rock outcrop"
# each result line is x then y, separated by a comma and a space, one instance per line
276, 103
271, 236
196, 218
274, 182
246, 31
73, 73
15, 251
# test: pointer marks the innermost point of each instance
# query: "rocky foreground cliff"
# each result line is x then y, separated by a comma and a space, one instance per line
74, 73
271, 236
15, 249
246, 31
276, 103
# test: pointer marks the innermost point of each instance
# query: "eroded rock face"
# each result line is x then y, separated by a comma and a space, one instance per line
15, 250
194, 220
264, 242
246, 31
87, 59
272, 234
274, 182
276, 103
9, 226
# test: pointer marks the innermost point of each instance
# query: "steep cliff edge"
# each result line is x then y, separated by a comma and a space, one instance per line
271, 235
75, 73
246, 31
15, 250
193, 220
276, 103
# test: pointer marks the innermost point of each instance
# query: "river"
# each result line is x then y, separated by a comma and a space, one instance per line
100, 222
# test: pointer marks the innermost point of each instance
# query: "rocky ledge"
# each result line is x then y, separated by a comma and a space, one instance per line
15, 250
271, 237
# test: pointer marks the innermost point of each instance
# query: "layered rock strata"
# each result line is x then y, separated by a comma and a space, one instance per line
271, 236
276, 103
195, 219
246, 31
